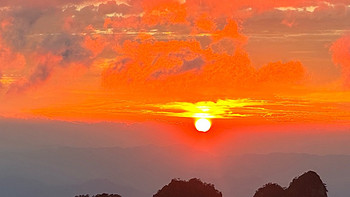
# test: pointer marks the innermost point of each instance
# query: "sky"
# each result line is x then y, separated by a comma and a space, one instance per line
263, 64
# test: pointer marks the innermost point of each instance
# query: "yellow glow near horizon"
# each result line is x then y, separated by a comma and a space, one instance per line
209, 109
203, 111
203, 124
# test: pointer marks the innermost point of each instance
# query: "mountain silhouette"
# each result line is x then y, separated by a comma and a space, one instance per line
191, 188
307, 185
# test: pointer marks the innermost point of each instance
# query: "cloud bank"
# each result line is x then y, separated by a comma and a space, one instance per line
166, 50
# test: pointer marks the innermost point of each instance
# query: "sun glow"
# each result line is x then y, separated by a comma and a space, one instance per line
227, 108
202, 124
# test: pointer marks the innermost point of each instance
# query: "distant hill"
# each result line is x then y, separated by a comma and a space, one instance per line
307, 185
141, 171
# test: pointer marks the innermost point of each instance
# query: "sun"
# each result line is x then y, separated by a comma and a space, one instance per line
203, 125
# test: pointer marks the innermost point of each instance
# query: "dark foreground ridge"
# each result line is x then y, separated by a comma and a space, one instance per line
307, 185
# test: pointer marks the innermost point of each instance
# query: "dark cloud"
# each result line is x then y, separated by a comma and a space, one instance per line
38, 3
22, 23
34, 28
322, 18
40, 74
204, 41
225, 45
121, 64
111, 7
68, 46
86, 16
37, 32
42, 70
194, 64
307, 39
62, 50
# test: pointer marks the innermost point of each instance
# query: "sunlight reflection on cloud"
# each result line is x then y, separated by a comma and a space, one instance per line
209, 109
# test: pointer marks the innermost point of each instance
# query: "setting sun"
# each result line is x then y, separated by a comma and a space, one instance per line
203, 125
122, 96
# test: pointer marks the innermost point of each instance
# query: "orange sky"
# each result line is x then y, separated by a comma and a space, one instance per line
261, 63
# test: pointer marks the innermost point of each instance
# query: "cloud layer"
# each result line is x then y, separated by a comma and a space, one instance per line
168, 50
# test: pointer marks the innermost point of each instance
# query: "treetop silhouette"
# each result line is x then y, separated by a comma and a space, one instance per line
307, 185
192, 188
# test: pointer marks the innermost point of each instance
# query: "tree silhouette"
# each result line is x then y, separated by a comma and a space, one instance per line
191, 188
270, 190
307, 185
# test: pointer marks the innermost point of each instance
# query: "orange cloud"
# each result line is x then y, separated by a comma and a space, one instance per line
229, 31
8, 57
204, 23
42, 71
151, 67
341, 56
164, 12
277, 73
95, 44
